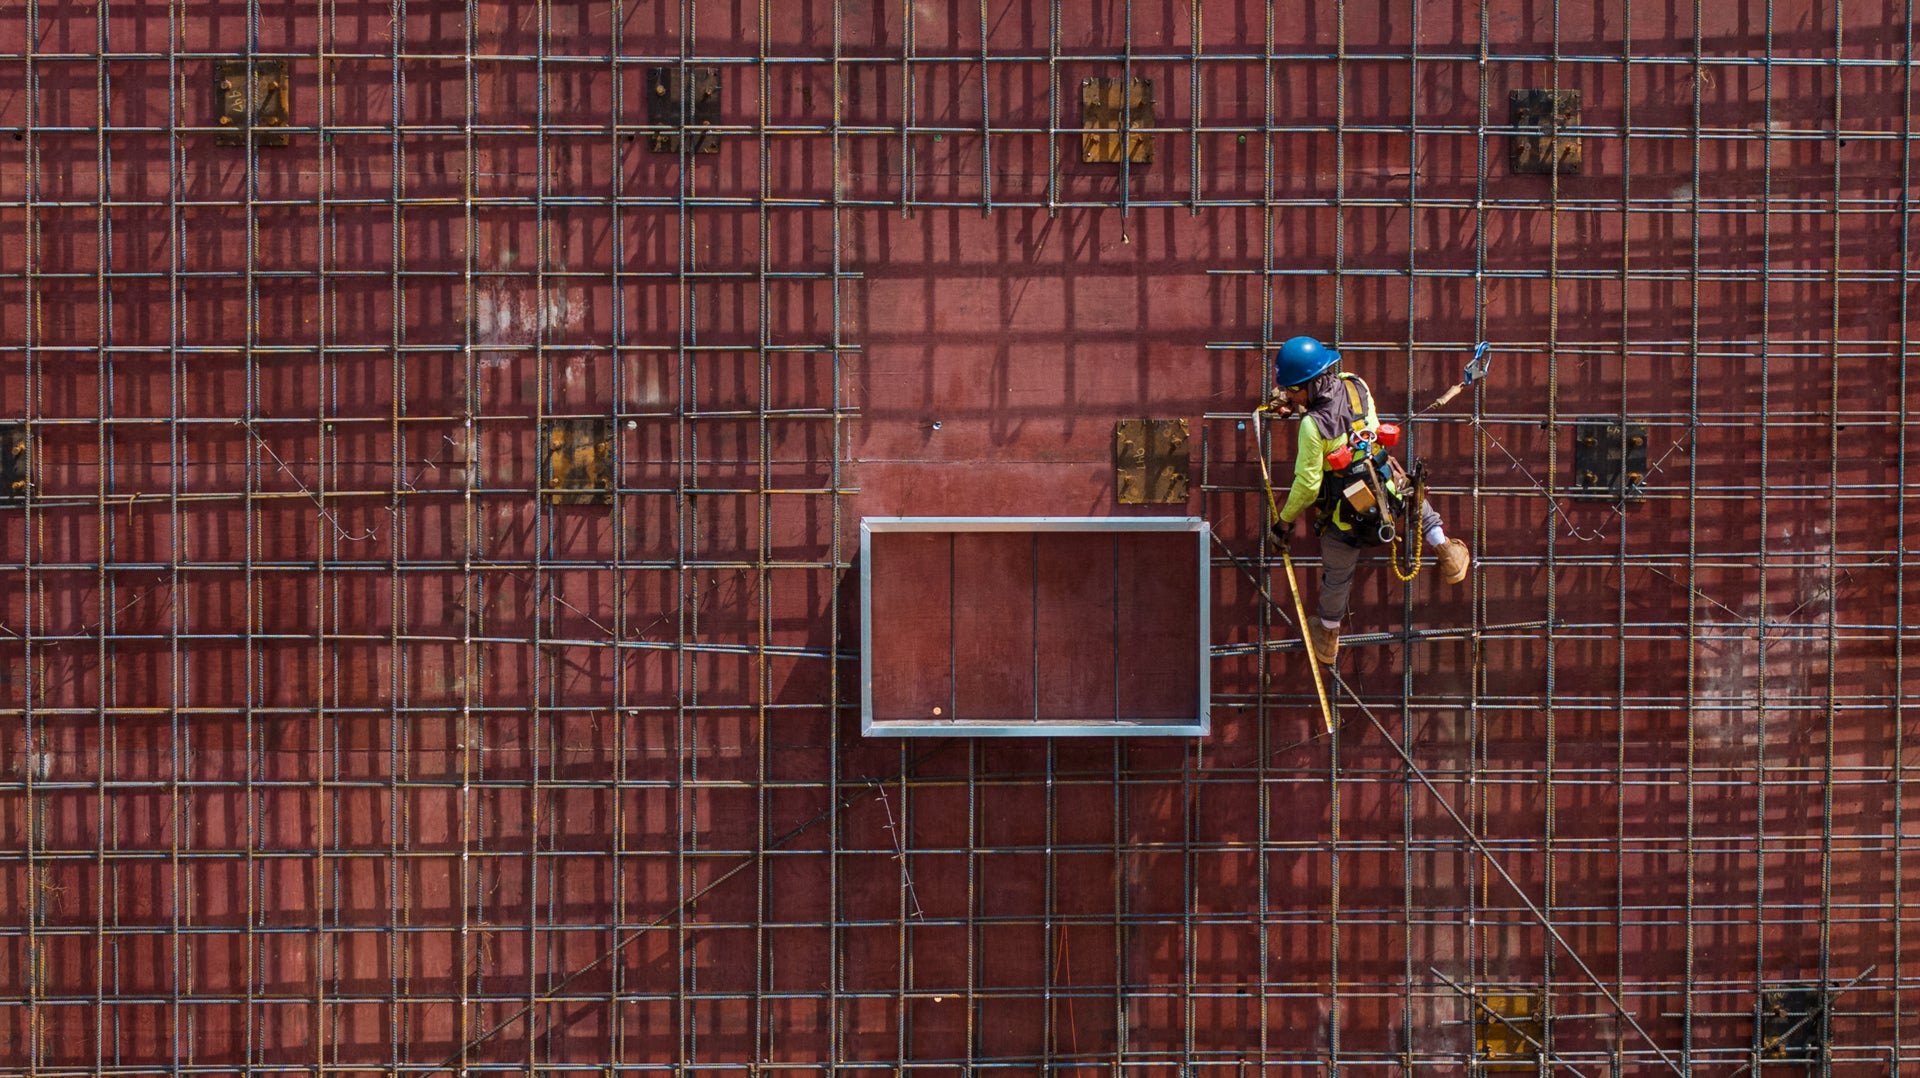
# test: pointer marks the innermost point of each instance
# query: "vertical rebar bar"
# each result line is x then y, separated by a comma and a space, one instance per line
193, 553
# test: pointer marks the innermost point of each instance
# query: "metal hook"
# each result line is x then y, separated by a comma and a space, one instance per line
1478, 365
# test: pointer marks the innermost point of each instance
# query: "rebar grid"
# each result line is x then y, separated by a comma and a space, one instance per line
334, 742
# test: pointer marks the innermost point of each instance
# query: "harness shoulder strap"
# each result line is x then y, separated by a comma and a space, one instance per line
1358, 425
1353, 392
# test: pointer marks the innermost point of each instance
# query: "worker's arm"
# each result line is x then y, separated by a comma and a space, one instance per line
1309, 465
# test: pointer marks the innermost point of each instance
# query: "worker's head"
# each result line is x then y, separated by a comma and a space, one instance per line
1300, 360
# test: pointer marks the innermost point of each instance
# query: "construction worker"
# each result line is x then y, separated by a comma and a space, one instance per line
1340, 468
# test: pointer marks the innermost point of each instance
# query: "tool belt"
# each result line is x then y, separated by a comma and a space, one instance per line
1364, 503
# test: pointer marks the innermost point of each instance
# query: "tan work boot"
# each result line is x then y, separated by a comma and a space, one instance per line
1454, 561
1325, 641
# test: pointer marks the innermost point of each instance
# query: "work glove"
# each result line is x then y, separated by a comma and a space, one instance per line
1282, 532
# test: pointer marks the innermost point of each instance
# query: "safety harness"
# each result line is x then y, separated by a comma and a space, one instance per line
1353, 499
1365, 494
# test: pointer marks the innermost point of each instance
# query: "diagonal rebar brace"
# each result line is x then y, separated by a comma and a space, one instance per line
1246, 571
456, 1062
1494, 863
1827, 996
1505, 1021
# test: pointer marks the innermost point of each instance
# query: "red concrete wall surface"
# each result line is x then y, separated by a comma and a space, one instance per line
328, 742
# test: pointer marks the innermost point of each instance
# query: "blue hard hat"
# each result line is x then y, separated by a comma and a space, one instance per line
1300, 359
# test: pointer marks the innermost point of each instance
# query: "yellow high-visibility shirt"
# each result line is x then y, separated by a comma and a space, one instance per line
1309, 467
1310, 459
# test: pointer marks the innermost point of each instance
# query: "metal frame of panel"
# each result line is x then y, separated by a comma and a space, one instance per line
1041, 727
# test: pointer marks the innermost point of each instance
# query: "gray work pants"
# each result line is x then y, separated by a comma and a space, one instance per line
1337, 559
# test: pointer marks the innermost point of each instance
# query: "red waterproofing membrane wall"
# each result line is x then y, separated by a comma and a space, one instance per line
329, 742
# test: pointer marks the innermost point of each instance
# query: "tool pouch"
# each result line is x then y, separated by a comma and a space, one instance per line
1360, 499
1356, 510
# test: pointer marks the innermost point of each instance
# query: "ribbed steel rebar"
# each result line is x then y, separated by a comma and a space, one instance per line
246, 826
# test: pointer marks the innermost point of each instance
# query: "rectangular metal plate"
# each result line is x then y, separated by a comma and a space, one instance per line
681, 113
1108, 122
16, 462
251, 97
1150, 461
578, 461
1538, 117
1609, 462
1034, 626
1789, 1021
1502, 1045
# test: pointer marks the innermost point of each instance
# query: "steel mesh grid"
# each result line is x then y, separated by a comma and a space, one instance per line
280, 398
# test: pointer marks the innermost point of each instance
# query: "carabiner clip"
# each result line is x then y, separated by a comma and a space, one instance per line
1478, 365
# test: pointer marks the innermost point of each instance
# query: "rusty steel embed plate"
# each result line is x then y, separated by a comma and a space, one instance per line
251, 96
1107, 121
1150, 461
1510, 1041
1789, 1020
579, 461
15, 462
1609, 462
667, 107
1538, 117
